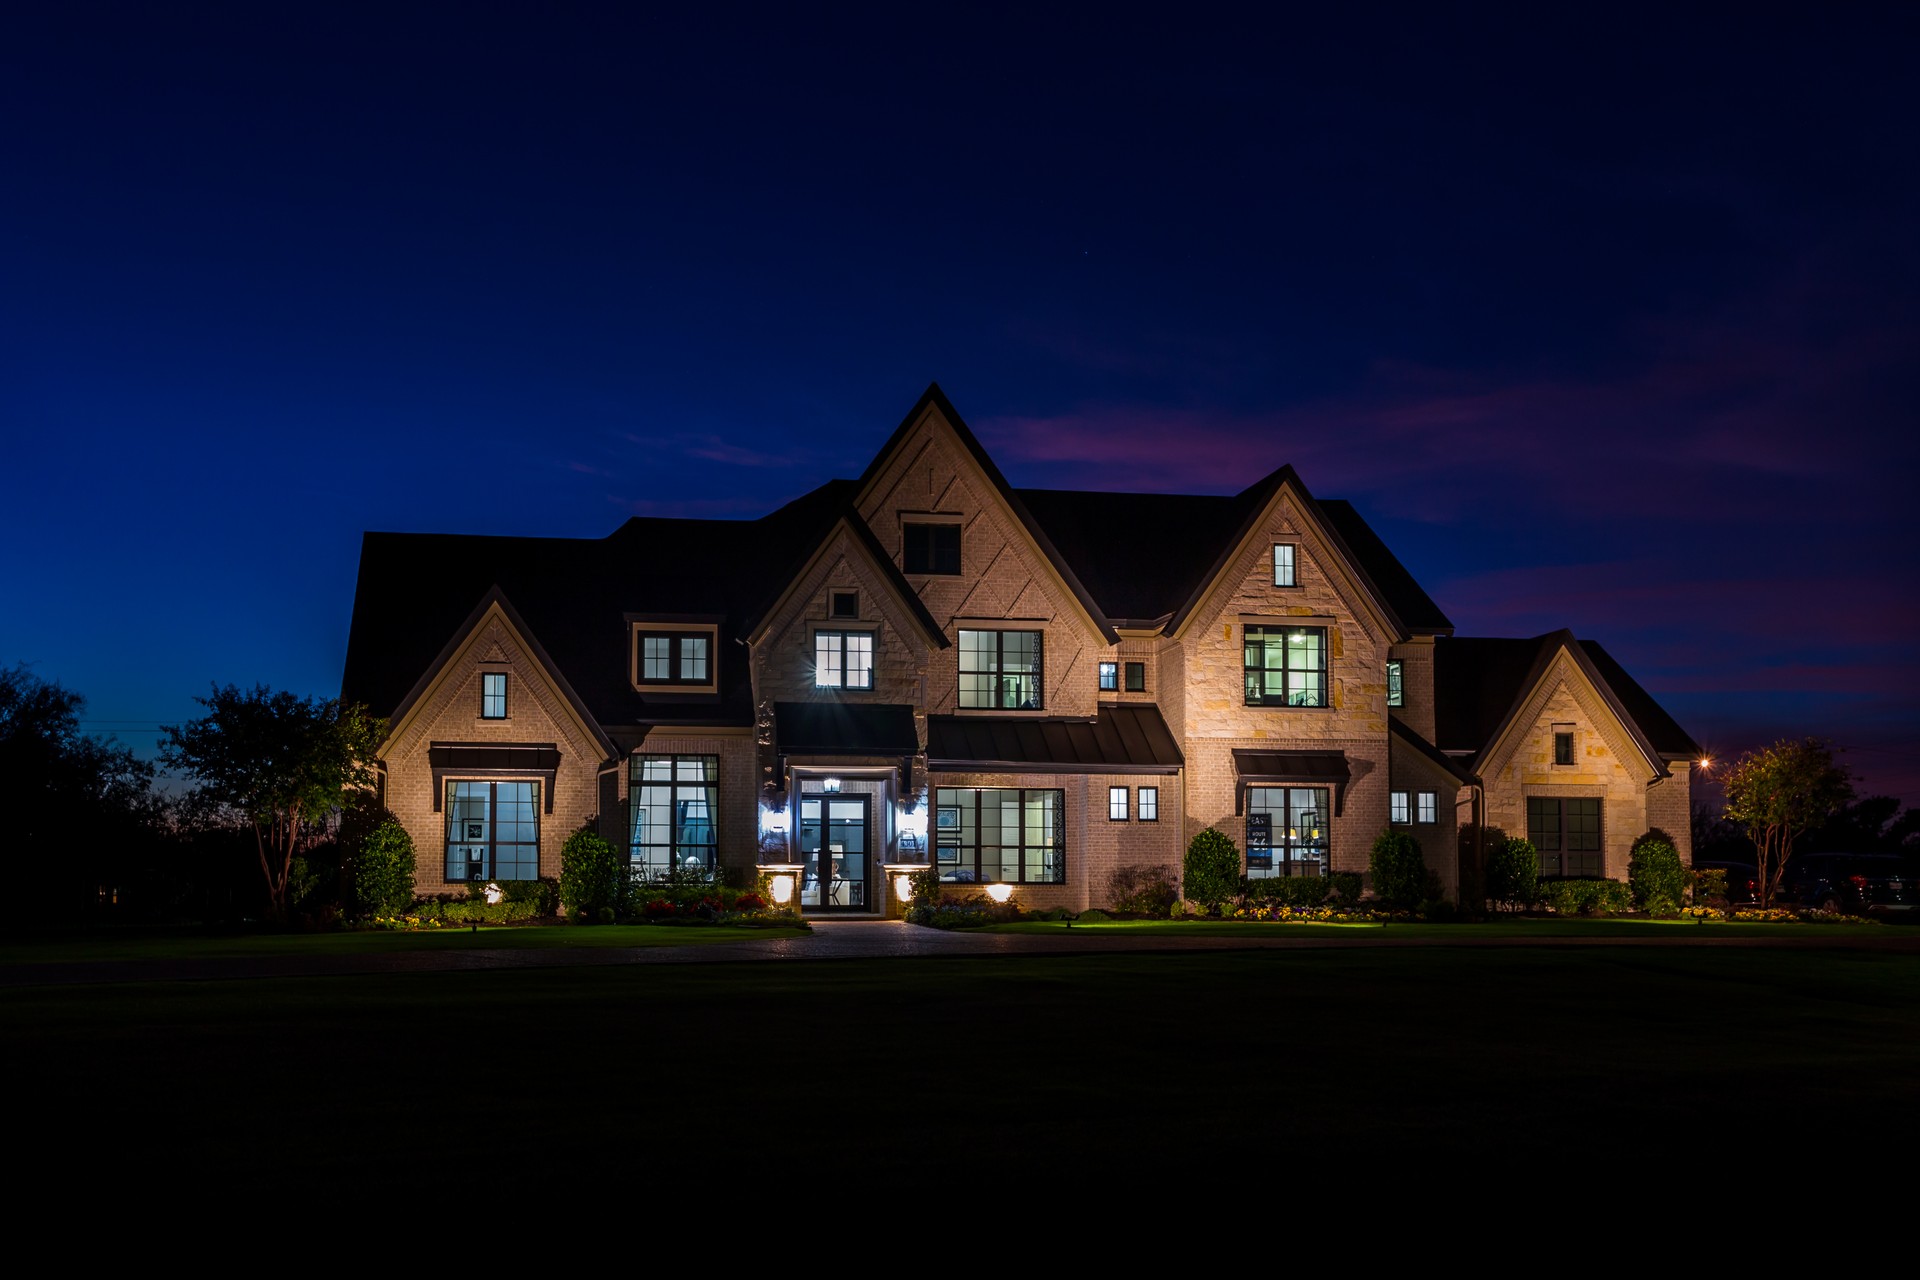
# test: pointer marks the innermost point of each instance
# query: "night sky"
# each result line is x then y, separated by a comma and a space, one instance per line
1611, 324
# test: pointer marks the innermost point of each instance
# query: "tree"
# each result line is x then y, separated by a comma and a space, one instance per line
281, 762
75, 805
593, 875
1778, 792
1399, 871
1211, 874
1513, 871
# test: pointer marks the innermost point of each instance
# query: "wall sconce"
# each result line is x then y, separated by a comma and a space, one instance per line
774, 821
999, 892
782, 887
830, 785
903, 888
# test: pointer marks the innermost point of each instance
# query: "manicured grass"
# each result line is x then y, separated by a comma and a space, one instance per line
1515, 929
200, 946
1492, 1069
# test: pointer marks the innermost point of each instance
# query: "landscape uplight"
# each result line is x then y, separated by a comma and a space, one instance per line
999, 892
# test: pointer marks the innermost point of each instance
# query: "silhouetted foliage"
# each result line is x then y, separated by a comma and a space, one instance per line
1779, 792
1873, 824
1513, 871
1399, 872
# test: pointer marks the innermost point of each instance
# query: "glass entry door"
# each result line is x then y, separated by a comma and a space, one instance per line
834, 851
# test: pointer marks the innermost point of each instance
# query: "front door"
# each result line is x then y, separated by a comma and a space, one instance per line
834, 852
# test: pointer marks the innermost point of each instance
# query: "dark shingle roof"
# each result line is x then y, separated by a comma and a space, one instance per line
1477, 681
416, 591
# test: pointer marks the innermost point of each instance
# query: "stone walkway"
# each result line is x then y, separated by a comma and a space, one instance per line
870, 940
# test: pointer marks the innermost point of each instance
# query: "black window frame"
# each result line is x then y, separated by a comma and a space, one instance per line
639, 866
1109, 677
930, 548
1126, 804
488, 697
1146, 805
1000, 634
1426, 808
1563, 749
842, 633
1136, 677
843, 604
1560, 852
451, 803
676, 657
950, 851
1264, 699
1293, 564
1400, 808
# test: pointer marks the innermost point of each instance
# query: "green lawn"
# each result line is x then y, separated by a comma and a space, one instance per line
194, 945
966, 1082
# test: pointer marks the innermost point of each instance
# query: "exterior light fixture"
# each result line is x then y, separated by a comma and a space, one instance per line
782, 887
999, 892
494, 894
774, 821
1706, 762
903, 888
830, 785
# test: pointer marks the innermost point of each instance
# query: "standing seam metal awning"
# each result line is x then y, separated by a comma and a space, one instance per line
1291, 769
1119, 738
493, 760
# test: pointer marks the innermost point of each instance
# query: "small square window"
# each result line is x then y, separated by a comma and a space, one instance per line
1149, 804
1563, 748
844, 604
1136, 677
930, 548
1397, 808
1396, 688
1427, 806
493, 695
1110, 675
1283, 555
1116, 804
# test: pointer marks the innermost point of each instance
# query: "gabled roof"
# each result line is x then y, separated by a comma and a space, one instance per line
1480, 683
936, 398
415, 590
1149, 557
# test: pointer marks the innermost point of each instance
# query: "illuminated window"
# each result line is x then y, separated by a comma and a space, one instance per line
1286, 666
1397, 810
673, 657
1116, 804
1000, 669
1297, 820
843, 660
1283, 557
674, 802
1149, 804
1396, 690
493, 695
493, 831
1110, 675
1427, 807
1004, 835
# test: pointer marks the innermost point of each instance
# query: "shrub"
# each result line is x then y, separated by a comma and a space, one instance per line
1211, 872
926, 888
1399, 872
592, 874
1345, 885
1142, 889
1587, 897
1288, 891
1513, 873
1478, 844
963, 913
382, 871
1710, 888
1659, 880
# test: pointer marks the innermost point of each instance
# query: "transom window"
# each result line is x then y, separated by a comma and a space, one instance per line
931, 548
1283, 557
1286, 666
1110, 676
1149, 804
1297, 823
493, 831
1396, 686
843, 659
1001, 835
1116, 804
493, 695
1000, 669
675, 657
675, 801
1566, 831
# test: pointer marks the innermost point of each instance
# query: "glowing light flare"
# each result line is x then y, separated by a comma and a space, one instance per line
903, 888
495, 895
999, 892
782, 887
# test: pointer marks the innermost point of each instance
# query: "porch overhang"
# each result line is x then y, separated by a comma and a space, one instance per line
1290, 769
493, 760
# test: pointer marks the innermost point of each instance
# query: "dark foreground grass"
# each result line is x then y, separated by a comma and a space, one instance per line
973, 1078
194, 944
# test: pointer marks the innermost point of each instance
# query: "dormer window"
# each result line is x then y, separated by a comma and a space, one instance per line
682, 658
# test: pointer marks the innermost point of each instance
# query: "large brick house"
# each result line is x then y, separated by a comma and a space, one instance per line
1020, 687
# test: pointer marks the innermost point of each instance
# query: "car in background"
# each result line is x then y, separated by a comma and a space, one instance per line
1858, 884
1743, 881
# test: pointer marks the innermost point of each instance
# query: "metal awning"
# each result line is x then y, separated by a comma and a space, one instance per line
845, 729
493, 760
1290, 769
1120, 738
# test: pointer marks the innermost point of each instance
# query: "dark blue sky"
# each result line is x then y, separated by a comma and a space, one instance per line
1611, 324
